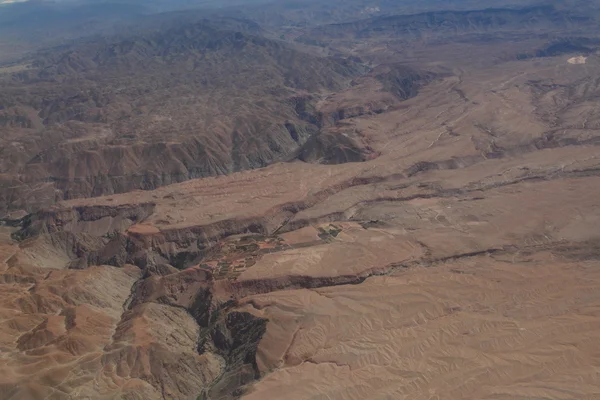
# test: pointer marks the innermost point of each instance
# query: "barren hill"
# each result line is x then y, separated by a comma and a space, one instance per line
108, 117
444, 23
435, 236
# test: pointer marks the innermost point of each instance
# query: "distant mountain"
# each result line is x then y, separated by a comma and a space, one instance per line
138, 112
443, 23
30, 25
33, 25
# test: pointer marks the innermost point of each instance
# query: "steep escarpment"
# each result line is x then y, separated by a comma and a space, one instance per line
117, 235
76, 320
98, 221
338, 141
226, 330
334, 148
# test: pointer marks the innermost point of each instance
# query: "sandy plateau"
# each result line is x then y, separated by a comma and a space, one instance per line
459, 260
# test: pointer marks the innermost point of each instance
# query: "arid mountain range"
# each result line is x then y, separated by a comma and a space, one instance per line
266, 201
149, 111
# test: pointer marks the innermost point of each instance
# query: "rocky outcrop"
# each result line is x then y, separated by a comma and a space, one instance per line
95, 220
236, 337
232, 335
334, 148
403, 82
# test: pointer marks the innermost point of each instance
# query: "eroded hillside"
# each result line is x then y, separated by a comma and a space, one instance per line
435, 237
143, 112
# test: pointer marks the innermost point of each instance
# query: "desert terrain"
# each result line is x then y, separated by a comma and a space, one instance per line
396, 206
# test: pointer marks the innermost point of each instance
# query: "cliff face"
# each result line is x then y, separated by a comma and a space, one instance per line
381, 91
98, 221
123, 343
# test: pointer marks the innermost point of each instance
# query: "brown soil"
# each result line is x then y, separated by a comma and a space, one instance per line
459, 259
